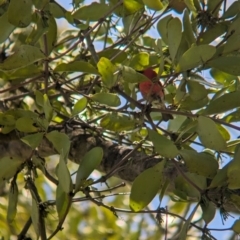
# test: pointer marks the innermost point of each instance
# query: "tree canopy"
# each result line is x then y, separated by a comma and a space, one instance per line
83, 155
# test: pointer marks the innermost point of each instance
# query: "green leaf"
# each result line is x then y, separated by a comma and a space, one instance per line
236, 227
79, 106
109, 53
38, 30
107, 70
208, 211
60, 142
90, 162
140, 61
12, 202
163, 145
188, 29
108, 99
146, 186
129, 75
63, 201
227, 102
132, 6
35, 215
196, 91
33, 140
162, 27
92, 12
76, 66
26, 125
24, 56
185, 189
229, 64
117, 122
20, 6
51, 35
155, 5
212, 33
47, 107
174, 36
6, 27
63, 174
220, 178
195, 57
209, 134
9, 167
185, 228
232, 10
200, 163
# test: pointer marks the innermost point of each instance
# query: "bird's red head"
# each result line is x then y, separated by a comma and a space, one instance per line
150, 73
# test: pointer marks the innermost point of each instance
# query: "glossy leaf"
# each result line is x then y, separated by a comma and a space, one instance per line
209, 134
163, 145
188, 30
24, 56
131, 76
195, 56
20, 6
108, 99
76, 66
90, 162
146, 186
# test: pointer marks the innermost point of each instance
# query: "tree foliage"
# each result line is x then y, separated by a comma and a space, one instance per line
71, 93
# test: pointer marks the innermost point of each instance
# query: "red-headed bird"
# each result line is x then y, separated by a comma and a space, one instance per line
153, 92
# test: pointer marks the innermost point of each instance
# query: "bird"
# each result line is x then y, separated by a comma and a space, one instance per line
153, 91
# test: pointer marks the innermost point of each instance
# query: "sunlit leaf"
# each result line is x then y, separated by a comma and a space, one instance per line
107, 70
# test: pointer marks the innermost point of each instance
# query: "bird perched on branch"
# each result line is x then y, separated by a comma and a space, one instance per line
153, 92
